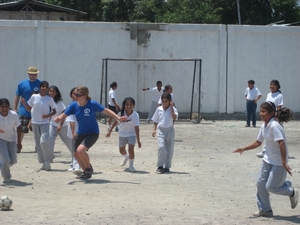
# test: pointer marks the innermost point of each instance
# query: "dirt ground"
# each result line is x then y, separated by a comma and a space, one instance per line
208, 184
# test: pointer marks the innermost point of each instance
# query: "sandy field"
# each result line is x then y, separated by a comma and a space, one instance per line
208, 184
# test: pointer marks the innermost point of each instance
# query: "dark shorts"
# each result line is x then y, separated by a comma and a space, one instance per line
88, 140
24, 123
113, 108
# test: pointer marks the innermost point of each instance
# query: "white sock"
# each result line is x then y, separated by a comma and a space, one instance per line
126, 156
131, 163
109, 126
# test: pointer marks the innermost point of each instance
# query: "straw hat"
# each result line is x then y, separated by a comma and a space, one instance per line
32, 70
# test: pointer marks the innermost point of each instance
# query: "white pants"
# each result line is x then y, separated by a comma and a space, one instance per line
41, 138
153, 108
271, 178
53, 133
165, 141
8, 157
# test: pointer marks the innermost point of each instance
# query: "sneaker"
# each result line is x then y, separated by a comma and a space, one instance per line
47, 166
260, 154
43, 167
117, 129
131, 169
76, 171
70, 169
253, 125
160, 170
92, 170
124, 161
263, 213
166, 170
6, 180
294, 199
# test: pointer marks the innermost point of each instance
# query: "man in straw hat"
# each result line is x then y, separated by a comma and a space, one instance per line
25, 89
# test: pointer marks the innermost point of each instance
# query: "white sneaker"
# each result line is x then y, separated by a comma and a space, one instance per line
263, 214
70, 169
47, 166
124, 161
131, 169
77, 171
294, 199
260, 154
43, 167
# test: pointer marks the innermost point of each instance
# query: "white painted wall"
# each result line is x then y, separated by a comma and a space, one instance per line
69, 54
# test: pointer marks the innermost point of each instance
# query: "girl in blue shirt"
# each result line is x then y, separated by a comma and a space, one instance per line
85, 111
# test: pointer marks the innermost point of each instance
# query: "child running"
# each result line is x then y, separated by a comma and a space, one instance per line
112, 103
61, 128
72, 127
85, 111
9, 123
40, 106
163, 121
129, 132
274, 167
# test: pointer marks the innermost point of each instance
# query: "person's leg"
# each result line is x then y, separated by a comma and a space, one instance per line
24, 129
263, 195
162, 152
64, 137
170, 138
5, 160
122, 150
248, 113
253, 108
44, 140
53, 133
153, 107
37, 138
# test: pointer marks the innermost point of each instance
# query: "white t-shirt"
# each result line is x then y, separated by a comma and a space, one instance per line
126, 129
172, 99
163, 118
251, 94
9, 124
68, 120
156, 93
60, 107
272, 133
40, 106
276, 98
111, 95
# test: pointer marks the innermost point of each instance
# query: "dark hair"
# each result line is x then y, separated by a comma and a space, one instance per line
72, 90
269, 106
44, 84
251, 82
284, 114
124, 102
167, 87
158, 82
4, 101
57, 97
167, 96
113, 84
276, 82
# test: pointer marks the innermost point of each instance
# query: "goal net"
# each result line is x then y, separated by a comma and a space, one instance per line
132, 75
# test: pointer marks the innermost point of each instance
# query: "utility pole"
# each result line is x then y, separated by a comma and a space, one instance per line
238, 10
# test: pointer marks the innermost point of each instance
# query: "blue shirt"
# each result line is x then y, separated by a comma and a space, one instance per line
86, 116
25, 89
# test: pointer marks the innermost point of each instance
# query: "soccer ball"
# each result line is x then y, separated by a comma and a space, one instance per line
5, 202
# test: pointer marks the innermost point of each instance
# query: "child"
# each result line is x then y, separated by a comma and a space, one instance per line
157, 92
274, 167
9, 122
252, 95
129, 131
168, 89
40, 106
85, 111
72, 127
163, 121
112, 103
61, 128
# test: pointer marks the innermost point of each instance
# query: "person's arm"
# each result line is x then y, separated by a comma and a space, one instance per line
137, 133
116, 104
16, 102
111, 128
110, 113
145, 89
154, 129
174, 117
249, 147
60, 118
19, 132
50, 114
27, 107
257, 98
283, 156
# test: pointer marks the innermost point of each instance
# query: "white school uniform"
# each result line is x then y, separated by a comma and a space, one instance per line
8, 148
276, 98
112, 95
155, 99
251, 94
165, 135
172, 99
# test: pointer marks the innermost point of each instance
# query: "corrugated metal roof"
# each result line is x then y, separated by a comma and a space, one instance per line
36, 6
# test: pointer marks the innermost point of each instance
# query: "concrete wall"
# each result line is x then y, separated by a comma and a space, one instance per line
69, 54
